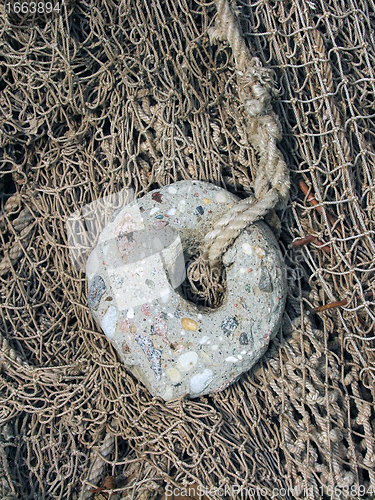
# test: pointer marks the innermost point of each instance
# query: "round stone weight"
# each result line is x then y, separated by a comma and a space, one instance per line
174, 347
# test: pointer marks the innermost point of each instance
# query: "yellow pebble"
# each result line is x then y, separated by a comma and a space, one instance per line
260, 252
189, 324
174, 375
206, 201
205, 355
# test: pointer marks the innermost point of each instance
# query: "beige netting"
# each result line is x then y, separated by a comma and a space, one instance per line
108, 95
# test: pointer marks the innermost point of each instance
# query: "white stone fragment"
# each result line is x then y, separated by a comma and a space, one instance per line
246, 248
221, 197
187, 361
204, 339
181, 205
108, 323
200, 381
231, 359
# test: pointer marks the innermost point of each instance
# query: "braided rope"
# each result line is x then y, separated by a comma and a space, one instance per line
271, 187
99, 459
22, 225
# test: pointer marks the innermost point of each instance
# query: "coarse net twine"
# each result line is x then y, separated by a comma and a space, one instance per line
111, 95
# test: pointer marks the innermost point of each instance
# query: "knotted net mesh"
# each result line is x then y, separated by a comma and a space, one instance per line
103, 96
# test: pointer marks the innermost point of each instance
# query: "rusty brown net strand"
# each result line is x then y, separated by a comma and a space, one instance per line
111, 95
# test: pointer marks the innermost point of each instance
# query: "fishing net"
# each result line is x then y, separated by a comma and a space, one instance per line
104, 96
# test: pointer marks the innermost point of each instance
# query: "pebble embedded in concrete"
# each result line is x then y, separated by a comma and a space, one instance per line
175, 348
